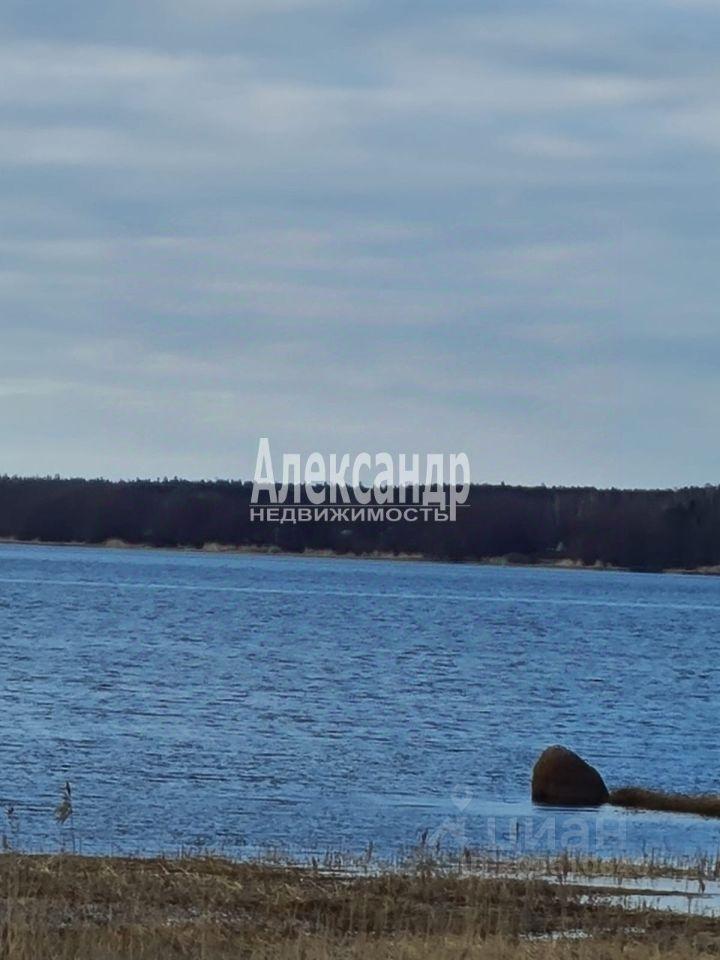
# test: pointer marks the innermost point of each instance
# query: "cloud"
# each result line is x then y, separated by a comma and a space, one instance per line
234, 9
356, 225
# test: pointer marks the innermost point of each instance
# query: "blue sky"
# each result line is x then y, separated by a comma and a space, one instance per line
348, 225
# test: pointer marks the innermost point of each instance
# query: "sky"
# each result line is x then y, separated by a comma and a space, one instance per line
361, 225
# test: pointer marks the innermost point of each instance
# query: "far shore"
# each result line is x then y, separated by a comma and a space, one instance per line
564, 563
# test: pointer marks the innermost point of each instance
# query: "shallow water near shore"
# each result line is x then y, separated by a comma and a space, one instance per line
244, 702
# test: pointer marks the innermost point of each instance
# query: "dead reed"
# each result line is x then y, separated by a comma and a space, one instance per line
642, 799
104, 908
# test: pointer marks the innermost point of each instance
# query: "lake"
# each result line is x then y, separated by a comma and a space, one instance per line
243, 702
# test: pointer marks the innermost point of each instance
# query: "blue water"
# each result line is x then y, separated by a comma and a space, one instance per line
242, 702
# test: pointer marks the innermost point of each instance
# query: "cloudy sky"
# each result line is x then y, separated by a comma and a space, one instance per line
404, 225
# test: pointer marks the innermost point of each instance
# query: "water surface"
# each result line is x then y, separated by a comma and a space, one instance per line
239, 701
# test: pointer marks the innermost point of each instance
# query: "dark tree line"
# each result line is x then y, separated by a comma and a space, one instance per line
637, 529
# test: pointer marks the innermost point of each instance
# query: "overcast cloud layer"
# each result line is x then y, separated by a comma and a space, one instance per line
352, 225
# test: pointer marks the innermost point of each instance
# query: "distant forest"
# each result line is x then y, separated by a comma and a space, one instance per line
635, 529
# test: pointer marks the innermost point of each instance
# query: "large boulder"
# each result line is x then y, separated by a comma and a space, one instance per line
562, 778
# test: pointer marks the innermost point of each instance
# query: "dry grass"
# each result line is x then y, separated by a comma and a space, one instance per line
638, 797
148, 909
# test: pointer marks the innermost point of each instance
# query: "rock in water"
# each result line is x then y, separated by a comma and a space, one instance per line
562, 778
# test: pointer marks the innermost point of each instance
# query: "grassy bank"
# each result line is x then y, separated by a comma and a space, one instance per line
82, 907
327, 554
639, 798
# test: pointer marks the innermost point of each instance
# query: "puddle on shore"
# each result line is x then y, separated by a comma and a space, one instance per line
678, 894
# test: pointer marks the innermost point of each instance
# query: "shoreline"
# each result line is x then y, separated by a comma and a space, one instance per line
145, 908
215, 549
